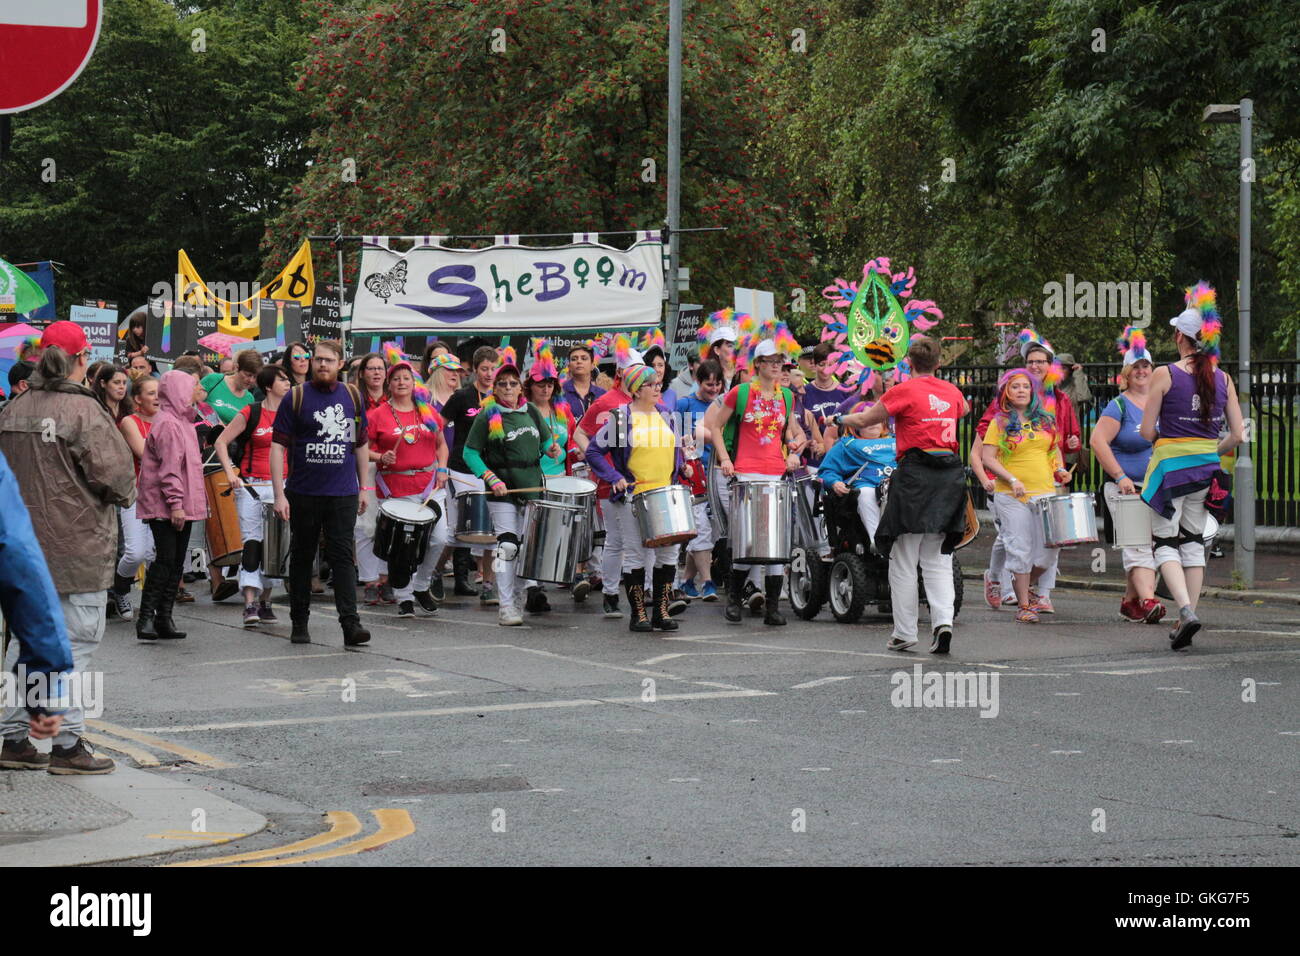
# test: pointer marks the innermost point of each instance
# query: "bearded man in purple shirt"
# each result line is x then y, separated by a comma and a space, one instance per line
319, 426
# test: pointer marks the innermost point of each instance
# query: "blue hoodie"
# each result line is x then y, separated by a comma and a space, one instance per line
850, 454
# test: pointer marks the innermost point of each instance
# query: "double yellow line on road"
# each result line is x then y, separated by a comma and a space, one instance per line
393, 825
143, 757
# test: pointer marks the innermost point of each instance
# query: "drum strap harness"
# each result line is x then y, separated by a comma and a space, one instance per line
1184, 537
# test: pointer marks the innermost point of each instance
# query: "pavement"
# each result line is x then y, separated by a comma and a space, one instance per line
1099, 567
451, 741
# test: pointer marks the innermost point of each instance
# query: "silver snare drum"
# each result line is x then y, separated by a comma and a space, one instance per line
665, 516
760, 521
580, 493
1132, 518
1068, 519
551, 538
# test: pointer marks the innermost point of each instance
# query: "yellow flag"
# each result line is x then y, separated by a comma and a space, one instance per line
296, 283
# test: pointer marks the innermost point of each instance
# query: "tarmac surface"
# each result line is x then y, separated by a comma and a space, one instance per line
450, 740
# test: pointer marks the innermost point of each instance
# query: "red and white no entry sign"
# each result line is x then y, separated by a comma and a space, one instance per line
44, 46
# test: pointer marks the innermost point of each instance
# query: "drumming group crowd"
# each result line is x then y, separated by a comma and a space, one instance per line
353, 454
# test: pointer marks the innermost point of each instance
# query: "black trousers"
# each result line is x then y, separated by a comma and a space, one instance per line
171, 548
336, 516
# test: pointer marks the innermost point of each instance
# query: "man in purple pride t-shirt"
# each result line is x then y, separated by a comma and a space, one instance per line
321, 423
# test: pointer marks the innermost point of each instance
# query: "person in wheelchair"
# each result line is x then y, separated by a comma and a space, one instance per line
854, 469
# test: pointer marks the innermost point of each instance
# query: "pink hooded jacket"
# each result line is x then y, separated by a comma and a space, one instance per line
171, 470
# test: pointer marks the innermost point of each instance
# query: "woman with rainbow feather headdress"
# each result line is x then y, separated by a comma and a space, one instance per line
409, 451
1190, 402
1022, 449
541, 382
504, 449
1123, 455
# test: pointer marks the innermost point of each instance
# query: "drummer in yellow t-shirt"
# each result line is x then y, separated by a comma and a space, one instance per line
1022, 451
637, 451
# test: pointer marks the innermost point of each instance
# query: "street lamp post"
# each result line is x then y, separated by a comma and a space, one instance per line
1243, 481
674, 159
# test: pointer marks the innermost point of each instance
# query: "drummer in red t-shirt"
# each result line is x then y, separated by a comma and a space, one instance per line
768, 442
251, 477
407, 443
925, 514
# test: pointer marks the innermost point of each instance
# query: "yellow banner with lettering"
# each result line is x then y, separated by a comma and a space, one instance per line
296, 283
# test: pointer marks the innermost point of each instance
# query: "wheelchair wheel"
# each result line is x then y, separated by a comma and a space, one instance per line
808, 577
848, 588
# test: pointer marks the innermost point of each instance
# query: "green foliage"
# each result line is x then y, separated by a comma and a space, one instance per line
159, 146
548, 133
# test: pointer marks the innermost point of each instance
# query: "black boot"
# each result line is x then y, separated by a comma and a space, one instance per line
735, 594
632, 584
663, 583
145, 629
772, 586
162, 621
462, 562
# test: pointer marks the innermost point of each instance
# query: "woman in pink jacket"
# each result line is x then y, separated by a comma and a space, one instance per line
169, 496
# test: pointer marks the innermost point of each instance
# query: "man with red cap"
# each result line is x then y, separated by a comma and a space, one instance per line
74, 469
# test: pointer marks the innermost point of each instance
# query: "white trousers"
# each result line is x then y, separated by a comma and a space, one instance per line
423, 575
703, 540
251, 526
1023, 537
636, 556
908, 551
137, 543
1143, 557
507, 517
868, 510
1189, 513
369, 567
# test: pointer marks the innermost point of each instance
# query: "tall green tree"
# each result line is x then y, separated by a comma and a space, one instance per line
186, 130
483, 118
997, 145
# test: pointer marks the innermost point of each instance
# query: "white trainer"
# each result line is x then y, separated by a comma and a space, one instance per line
508, 616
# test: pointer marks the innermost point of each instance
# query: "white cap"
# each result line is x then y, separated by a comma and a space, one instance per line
765, 348
633, 358
1024, 349
1133, 356
722, 332
1188, 322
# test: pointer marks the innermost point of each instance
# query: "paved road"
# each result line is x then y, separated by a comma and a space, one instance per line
542, 745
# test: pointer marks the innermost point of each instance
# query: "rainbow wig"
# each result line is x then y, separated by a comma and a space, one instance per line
654, 338
622, 349
421, 395
543, 362
1010, 420
714, 321
1201, 297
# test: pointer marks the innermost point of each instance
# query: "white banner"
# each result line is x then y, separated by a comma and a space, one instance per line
509, 288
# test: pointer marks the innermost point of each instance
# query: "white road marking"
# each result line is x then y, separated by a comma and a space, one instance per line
713, 683
1067, 693
814, 769
800, 650
1174, 690
590, 663
1221, 630
667, 657
517, 740
1289, 733
683, 779
451, 711
743, 720
852, 711
547, 790
259, 660
819, 682
1065, 752
947, 760
1178, 741
1132, 671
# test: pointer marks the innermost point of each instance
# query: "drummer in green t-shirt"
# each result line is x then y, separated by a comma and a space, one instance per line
229, 394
